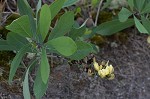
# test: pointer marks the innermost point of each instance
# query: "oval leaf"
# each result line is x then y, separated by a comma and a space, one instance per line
83, 49
25, 9
38, 7
131, 4
139, 4
44, 66
76, 33
124, 14
55, 7
4, 46
146, 8
21, 26
16, 40
63, 25
64, 45
44, 21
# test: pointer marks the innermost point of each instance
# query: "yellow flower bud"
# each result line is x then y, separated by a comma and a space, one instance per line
90, 73
111, 69
96, 66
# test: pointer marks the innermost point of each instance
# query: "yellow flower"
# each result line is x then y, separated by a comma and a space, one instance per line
107, 71
103, 73
110, 68
104, 70
96, 66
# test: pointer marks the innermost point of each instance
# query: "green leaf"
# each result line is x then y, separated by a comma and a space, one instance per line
69, 3
114, 26
26, 92
21, 26
45, 21
4, 46
106, 4
139, 26
44, 66
146, 9
16, 61
39, 87
139, 4
64, 45
75, 33
63, 25
55, 7
124, 14
94, 3
16, 40
146, 24
83, 49
131, 4
25, 9
38, 7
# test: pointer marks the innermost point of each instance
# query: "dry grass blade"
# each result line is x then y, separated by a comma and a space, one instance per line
2, 4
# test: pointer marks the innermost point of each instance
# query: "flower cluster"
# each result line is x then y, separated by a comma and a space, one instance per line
104, 70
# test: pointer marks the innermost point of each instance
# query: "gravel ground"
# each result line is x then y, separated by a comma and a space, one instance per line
131, 61
132, 70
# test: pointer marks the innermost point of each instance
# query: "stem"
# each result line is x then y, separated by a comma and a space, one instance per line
98, 11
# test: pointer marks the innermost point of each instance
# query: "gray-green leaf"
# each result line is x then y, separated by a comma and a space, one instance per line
44, 21
75, 33
131, 4
124, 14
146, 24
64, 45
114, 26
26, 92
83, 49
39, 86
63, 25
4, 46
139, 26
25, 9
146, 8
44, 66
139, 4
55, 7
21, 26
16, 40
69, 3
16, 61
